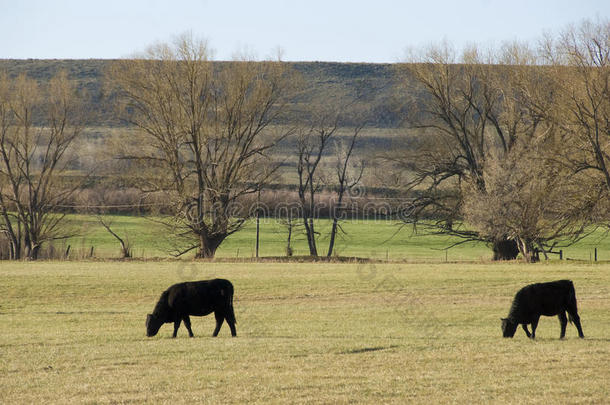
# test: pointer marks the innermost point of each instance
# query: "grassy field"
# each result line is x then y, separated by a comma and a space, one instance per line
73, 332
363, 238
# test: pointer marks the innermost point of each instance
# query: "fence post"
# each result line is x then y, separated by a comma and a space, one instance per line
560, 254
595, 254
258, 199
257, 232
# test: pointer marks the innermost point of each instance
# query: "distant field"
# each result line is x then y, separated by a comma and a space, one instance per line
73, 332
364, 238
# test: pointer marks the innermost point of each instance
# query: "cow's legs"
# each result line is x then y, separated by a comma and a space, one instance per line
176, 326
527, 332
232, 326
576, 319
187, 323
563, 321
219, 318
534, 326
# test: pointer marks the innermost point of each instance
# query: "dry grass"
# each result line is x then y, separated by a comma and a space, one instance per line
307, 333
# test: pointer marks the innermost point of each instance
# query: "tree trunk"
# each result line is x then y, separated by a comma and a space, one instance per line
31, 247
311, 236
14, 247
31, 251
527, 250
35, 252
208, 246
288, 247
505, 249
333, 232
12, 237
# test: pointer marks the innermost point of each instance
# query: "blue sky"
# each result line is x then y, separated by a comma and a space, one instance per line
345, 31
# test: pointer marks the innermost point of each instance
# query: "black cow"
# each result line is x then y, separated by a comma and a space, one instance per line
549, 299
197, 298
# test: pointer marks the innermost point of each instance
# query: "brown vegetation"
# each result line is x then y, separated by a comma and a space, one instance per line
205, 133
506, 141
508, 146
33, 158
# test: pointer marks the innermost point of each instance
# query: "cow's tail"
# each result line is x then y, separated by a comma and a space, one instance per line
570, 318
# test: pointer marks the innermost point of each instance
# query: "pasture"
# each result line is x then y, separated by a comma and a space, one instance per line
73, 332
378, 239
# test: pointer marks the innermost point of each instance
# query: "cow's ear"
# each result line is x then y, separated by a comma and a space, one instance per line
503, 319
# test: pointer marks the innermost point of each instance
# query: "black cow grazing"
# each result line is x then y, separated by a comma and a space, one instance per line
549, 299
197, 298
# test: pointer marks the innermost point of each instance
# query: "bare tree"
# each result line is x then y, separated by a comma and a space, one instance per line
311, 145
475, 119
348, 175
38, 125
579, 63
470, 114
208, 130
291, 222
125, 244
532, 198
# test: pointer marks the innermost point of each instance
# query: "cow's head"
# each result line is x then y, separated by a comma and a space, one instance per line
152, 325
508, 328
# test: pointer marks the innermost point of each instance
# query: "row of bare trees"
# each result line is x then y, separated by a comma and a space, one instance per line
508, 147
511, 145
204, 134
